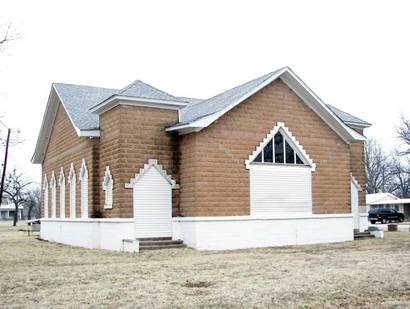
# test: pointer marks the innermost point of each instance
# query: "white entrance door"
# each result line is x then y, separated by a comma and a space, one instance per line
354, 202
153, 205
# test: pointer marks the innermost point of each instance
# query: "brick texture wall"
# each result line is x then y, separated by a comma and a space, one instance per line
208, 165
358, 167
130, 136
214, 180
64, 148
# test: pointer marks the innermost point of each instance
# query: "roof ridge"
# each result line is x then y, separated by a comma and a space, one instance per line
79, 85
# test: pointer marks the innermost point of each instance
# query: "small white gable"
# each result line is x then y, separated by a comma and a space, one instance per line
152, 163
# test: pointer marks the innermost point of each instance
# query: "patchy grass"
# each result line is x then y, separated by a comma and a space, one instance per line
368, 273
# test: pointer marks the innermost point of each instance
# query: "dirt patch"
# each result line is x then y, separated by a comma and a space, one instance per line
197, 284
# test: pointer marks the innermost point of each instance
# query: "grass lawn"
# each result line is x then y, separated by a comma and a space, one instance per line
367, 273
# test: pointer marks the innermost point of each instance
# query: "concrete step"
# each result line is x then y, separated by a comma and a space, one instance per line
160, 243
158, 247
363, 235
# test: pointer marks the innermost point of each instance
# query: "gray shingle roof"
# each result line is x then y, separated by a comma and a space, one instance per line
220, 101
346, 117
140, 89
77, 100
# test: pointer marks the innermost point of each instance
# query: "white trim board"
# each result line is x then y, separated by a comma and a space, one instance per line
136, 101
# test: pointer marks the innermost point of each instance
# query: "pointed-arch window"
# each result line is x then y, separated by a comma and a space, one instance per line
73, 183
53, 184
84, 190
108, 188
45, 198
279, 150
61, 183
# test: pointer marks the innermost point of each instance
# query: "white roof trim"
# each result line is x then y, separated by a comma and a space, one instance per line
151, 163
48, 123
355, 182
301, 90
136, 101
292, 141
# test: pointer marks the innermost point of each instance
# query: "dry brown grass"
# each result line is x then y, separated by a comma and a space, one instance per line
368, 273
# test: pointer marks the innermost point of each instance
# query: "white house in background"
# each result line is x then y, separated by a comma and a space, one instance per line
7, 212
388, 200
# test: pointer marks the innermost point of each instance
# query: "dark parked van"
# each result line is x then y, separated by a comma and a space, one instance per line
385, 215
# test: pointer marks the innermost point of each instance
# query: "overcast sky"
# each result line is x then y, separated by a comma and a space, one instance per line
355, 55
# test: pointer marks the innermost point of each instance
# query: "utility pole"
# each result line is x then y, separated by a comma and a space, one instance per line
3, 176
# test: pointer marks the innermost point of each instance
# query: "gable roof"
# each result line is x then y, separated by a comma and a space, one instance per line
197, 116
84, 103
77, 100
221, 101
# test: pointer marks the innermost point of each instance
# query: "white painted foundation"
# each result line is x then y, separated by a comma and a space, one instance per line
205, 233
239, 232
91, 233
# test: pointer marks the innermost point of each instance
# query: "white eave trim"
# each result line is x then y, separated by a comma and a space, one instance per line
135, 101
302, 91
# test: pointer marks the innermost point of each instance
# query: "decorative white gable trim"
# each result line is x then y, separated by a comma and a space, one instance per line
355, 182
292, 141
151, 163
107, 186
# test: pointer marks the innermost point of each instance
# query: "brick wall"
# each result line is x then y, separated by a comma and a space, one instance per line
130, 136
64, 148
358, 167
214, 180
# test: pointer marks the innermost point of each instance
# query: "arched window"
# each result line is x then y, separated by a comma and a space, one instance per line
61, 182
107, 188
84, 190
72, 180
53, 194
45, 197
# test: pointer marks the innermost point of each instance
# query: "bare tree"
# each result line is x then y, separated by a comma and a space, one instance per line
403, 133
32, 203
377, 166
400, 177
9, 33
16, 191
